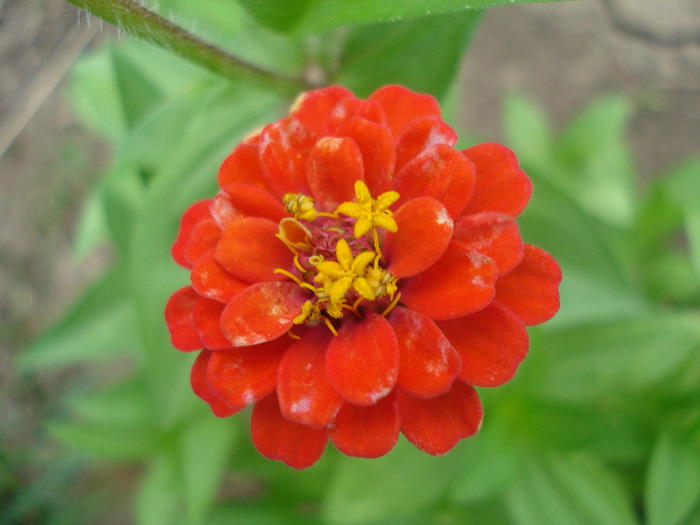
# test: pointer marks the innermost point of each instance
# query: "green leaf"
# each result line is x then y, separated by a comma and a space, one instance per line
389, 489
402, 52
528, 132
139, 95
575, 490
281, 15
100, 326
673, 481
157, 500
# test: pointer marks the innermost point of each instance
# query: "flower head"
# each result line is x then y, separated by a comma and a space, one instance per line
356, 276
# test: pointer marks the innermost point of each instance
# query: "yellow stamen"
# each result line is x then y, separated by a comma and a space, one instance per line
293, 336
300, 205
290, 275
369, 212
330, 325
391, 305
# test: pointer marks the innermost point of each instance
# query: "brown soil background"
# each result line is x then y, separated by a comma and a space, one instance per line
561, 55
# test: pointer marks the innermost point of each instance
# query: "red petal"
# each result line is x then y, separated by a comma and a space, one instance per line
205, 236
206, 317
435, 425
500, 184
178, 317
363, 359
367, 431
243, 166
262, 312
284, 150
251, 201
241, 376
440, 172
352, 107
491, 343
494, 235
210, 279
305, 395
459, 283
249, 250
402, 105
419, 135
313, 108
198, 380
427, 362
532, 289
378, 153
424, 232
223, 211
334, 166
275, 437
195, 214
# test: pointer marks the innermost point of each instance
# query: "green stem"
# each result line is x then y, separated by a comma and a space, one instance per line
140, 22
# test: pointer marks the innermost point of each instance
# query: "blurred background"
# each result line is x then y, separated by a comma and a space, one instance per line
557, 57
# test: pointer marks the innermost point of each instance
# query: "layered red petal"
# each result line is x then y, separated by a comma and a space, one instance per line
200, 386
532, 289
262, 312
491, 344
367, 431
251, 201
249, 250
304, 393
421, 134
435, 425
241, 376
362, 361
352, 107
206, 317
211, 280
459, 283
178, 317
334, 165
205, 236
284, 151
313, 108
501, 185
402, 105
428, 364
440, 172
495, 235
195, 214
424, 231
275, 437
243, 166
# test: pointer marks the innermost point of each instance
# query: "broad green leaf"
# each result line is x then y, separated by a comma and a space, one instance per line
573, 489
157, 499
282, 15
328, 14
422, 54
528, 132
672, 486
139, 95
392, 489
100, 326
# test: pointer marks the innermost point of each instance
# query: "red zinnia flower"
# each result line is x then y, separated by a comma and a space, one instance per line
356, 276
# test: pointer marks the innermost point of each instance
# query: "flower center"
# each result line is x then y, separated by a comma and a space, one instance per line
338, 255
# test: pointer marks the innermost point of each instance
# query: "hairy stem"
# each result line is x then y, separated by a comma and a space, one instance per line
139, 21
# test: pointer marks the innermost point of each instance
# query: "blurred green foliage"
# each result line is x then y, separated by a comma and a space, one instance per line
601, 424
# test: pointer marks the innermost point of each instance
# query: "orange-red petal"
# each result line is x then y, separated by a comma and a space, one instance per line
495, 235
424, 231
249, 250
435, 425
440, 172
367, 431
378, 153
501, 185
334, 165
195, 214
298, 446
532, 289
206, 317
251, 201
178, 317
352, 107
211, 280
402, 105
491, 343
262, 312
205, 236
362, 361
419, 135
284, 150
241, 376
200, 386
313, 108
304, 393
242, 166
428, 364
459, 283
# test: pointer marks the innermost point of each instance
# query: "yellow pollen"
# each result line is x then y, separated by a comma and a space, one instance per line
370, 213
300, 205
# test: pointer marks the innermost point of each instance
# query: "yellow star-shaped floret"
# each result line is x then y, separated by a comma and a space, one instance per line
348, 272
369, 212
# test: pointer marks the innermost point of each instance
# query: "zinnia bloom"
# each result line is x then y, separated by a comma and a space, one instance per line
356, 276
